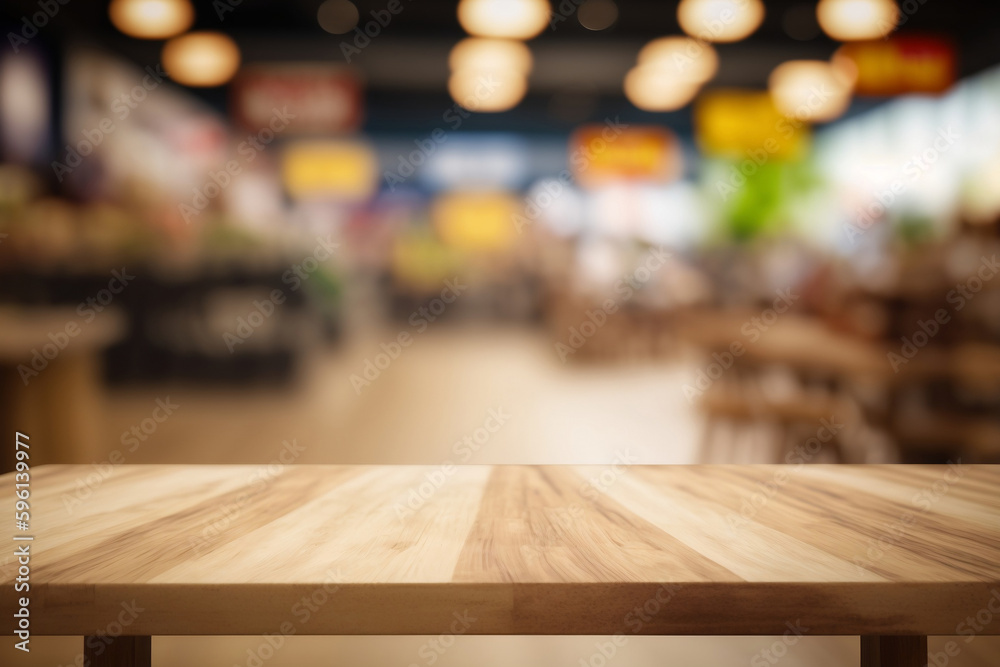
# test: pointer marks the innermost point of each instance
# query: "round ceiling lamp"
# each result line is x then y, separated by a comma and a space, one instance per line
720, 20
201, 59
683, 57
652, 88
810, 90
487, 91
151, 19
486, 54
854, 20
509, 19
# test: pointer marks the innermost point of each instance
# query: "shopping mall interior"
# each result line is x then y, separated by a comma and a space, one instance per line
494, 232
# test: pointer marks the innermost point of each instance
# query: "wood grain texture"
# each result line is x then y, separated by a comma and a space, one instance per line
886, 550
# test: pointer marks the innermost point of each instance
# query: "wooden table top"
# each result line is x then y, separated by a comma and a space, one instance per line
726, 550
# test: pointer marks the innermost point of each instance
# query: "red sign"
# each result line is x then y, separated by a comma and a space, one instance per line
902, 64
323, 98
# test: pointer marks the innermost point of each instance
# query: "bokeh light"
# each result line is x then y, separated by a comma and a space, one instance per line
201, 59
484, 54
151, 19
487, 91
720, 20
812, 90
685, 58
337, 16
854, 20
597, 14
653, 89
511, 19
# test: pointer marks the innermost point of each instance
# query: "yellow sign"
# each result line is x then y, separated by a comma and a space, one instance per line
476, 221
735, 123
340, 170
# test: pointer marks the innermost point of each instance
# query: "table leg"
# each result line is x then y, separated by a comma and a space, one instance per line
123, 651
893, 651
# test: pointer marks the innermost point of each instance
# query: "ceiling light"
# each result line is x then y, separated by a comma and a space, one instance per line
853, 20
683, 57
812, 90
720, 20
201, 59
487, 91
511, 19
485, 54
653, 89
151, 19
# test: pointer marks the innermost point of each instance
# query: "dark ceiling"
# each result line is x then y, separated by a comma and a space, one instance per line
406, 64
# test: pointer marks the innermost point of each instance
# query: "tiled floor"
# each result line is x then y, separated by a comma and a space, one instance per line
439, 389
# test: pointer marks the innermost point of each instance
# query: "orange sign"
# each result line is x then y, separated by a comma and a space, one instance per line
902, 64
615, 152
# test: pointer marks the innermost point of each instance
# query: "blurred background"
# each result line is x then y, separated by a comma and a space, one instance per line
500, 231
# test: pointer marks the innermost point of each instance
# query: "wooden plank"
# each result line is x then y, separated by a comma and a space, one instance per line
887, 550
